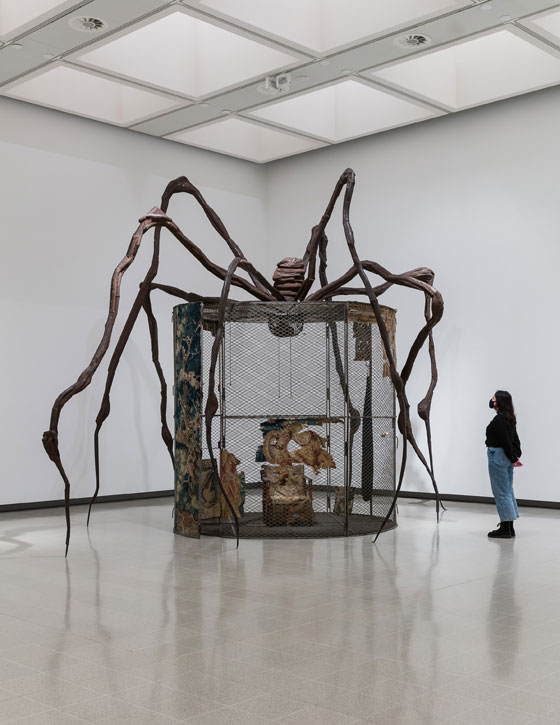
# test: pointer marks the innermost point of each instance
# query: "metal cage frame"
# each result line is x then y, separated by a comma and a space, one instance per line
318, 402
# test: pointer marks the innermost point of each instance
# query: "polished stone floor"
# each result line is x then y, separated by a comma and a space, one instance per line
433, 624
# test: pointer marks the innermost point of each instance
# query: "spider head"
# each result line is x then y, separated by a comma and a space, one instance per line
289, 276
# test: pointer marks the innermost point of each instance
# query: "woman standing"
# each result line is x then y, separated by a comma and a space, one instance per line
504, 450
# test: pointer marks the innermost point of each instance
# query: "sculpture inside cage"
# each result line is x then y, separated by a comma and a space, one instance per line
305, 429
293, 281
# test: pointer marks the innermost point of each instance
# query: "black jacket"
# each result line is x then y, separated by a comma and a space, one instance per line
502, 434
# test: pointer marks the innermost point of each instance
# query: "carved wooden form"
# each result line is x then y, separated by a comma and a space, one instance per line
293, 280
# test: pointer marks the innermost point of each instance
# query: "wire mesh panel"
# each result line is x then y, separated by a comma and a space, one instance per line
305, 434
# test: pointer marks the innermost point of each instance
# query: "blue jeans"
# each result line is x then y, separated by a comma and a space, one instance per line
500, 469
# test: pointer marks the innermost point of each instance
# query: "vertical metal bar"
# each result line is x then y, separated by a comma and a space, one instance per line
222, 387
347, 453
328, 403
395, 441
372, 472
278, 368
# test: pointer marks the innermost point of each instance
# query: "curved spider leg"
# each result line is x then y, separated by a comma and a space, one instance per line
411, 279
105, 407
215, 268
424, 405
188, 296
50, 437
398, 382
212, 401
420, 278
414, 278
316, 234
182, 184
168, 223
354, 413
152, 325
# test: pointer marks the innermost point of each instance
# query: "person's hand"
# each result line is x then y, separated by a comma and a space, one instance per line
517, 463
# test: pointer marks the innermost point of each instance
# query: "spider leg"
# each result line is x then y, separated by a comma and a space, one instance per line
229, 278
212, 401
105, 407
182, 184
50, 437
156, 217
215, 269
419, 278
152, 324
354, 413
317, 233
348, 179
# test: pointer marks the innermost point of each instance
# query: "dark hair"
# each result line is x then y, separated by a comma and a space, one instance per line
504, 403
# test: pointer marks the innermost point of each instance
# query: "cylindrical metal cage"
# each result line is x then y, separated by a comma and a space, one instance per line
305, 431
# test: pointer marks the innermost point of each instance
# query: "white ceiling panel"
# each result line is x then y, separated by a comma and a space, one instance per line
490, 67
344, 110
246, 140
88, 94
262, 79
546, 24
18, 15
183, 54
320, 26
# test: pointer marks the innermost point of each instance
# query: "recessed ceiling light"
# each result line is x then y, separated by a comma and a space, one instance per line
87, 24
323, 26
176, 51
412, 40
457, 76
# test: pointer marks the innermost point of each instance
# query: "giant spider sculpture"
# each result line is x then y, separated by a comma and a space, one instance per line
292, 280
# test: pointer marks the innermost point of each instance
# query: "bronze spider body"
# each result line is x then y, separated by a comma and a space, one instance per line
292, 280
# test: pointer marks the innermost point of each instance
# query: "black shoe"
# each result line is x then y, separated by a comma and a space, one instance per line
511, 529
502, 532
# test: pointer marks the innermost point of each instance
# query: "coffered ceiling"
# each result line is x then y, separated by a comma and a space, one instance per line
262, 79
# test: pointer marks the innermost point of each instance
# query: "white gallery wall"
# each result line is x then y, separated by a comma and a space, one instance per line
476, 197
72, 191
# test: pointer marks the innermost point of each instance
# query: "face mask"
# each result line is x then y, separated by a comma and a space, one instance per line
491, 403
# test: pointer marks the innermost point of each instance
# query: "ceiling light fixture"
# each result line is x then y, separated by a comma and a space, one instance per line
275, 85
412, 40
87, 25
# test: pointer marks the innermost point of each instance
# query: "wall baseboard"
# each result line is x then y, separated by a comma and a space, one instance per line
534, 503
57, 503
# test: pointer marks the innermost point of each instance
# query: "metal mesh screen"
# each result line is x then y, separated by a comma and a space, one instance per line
307, 418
